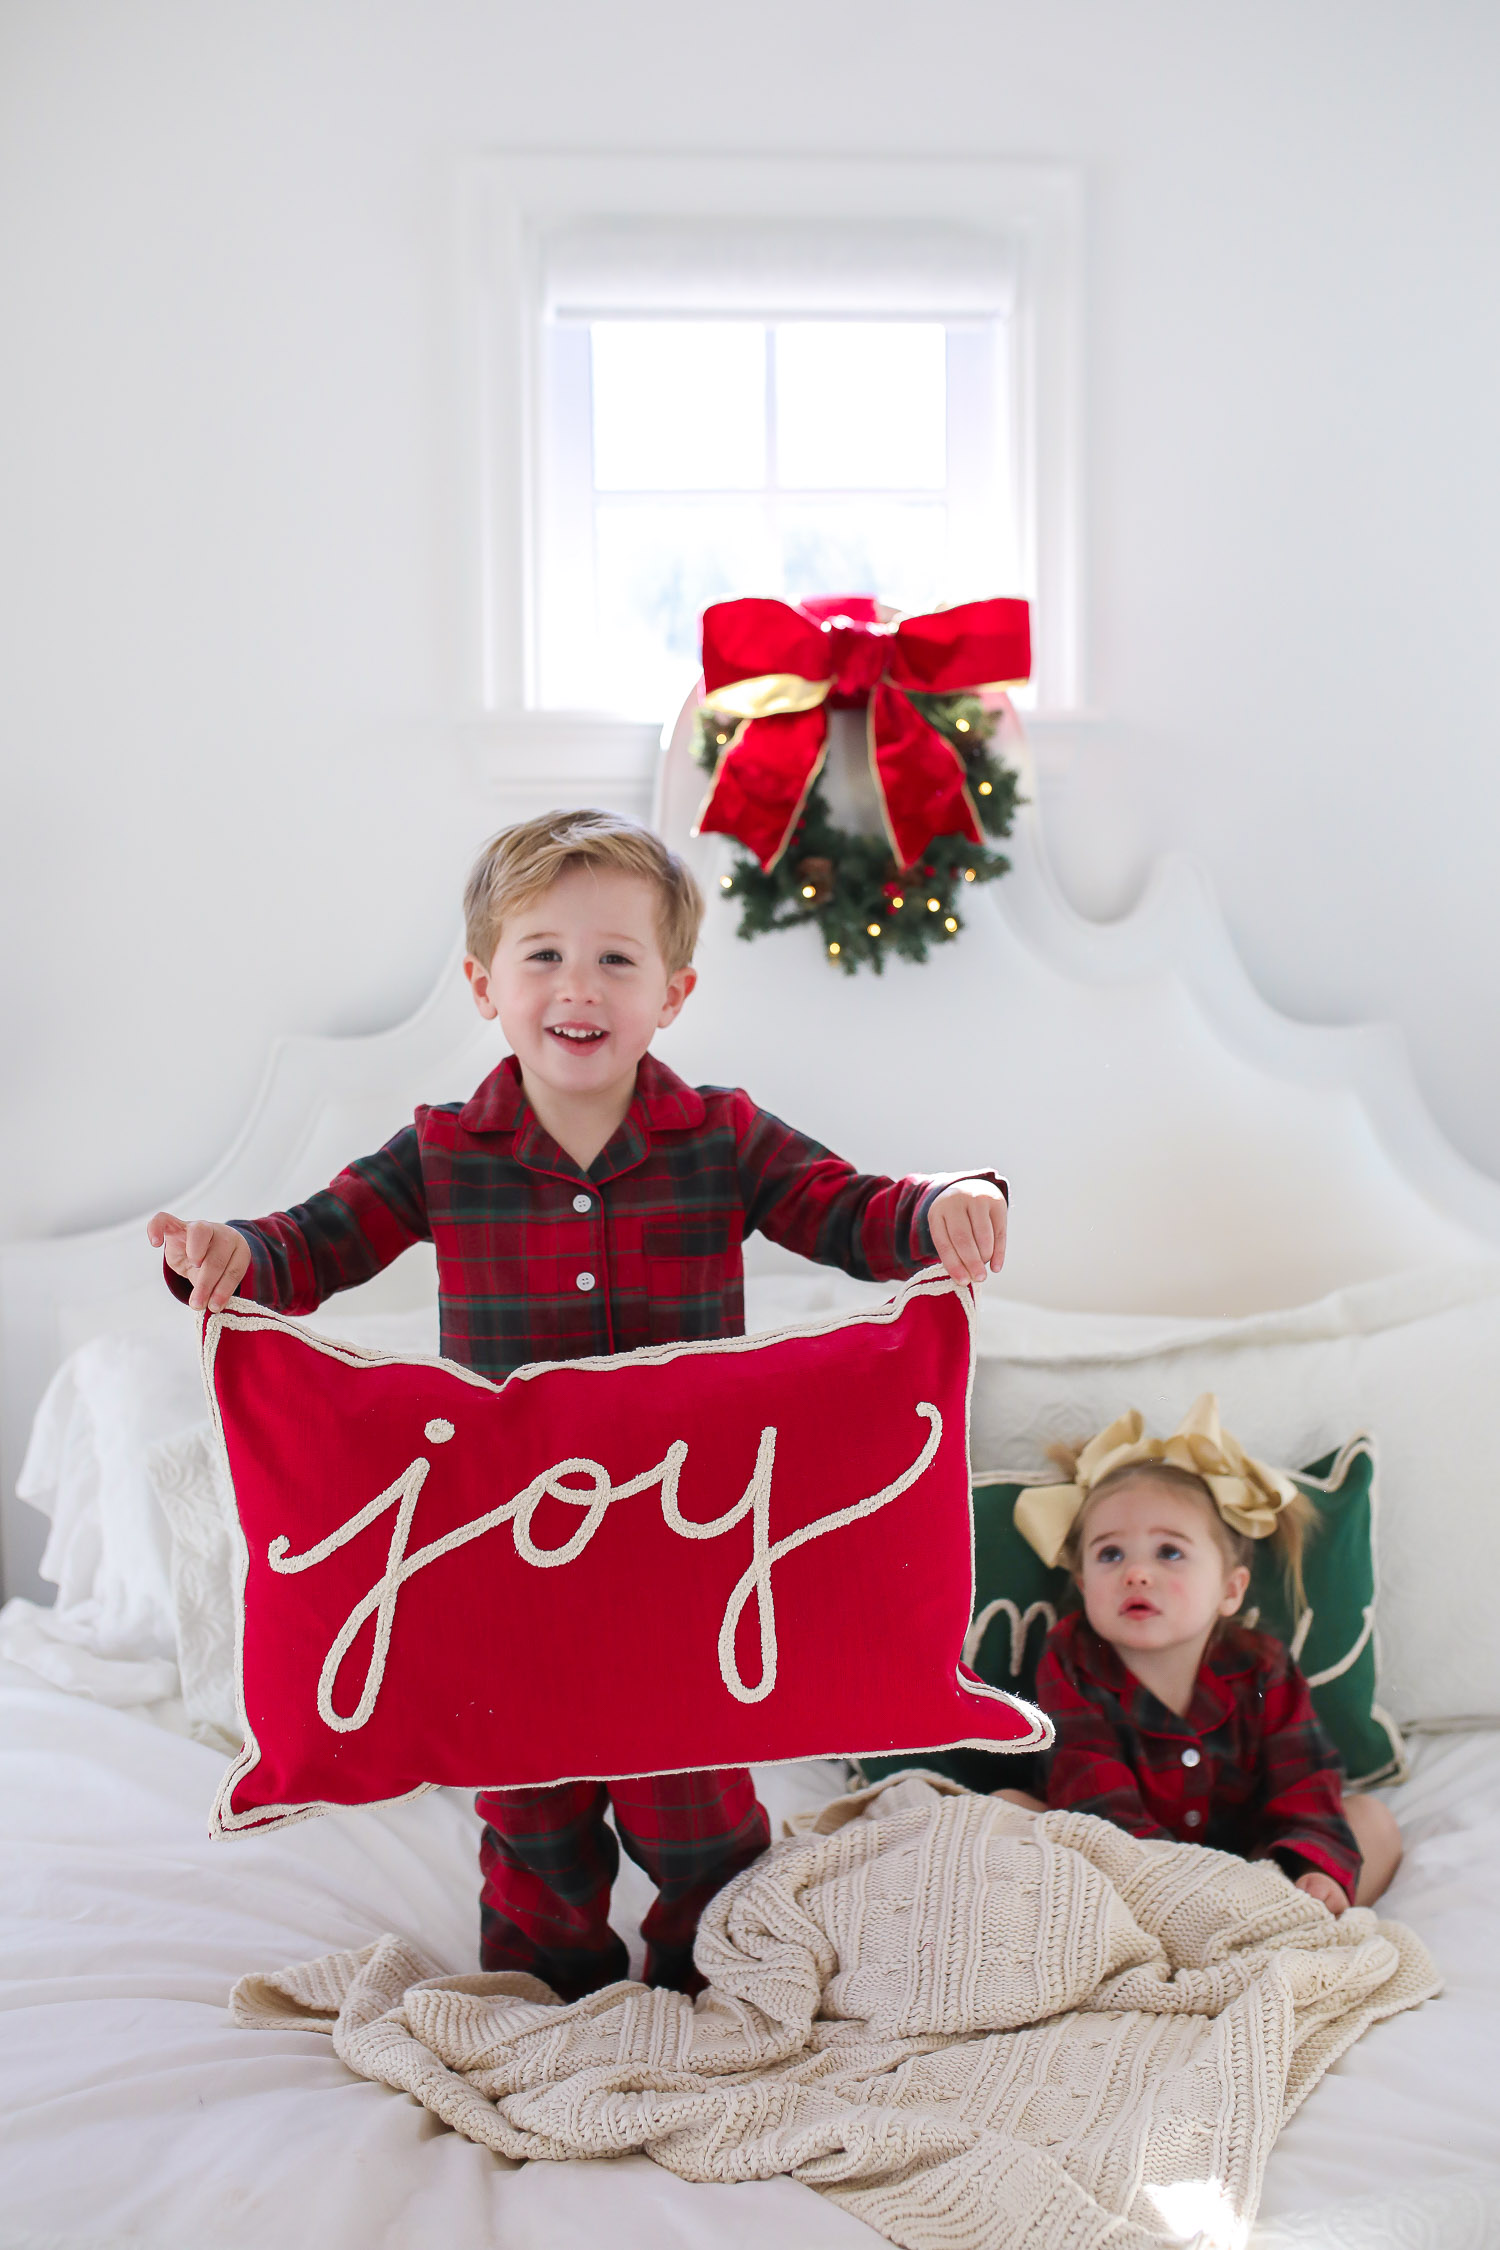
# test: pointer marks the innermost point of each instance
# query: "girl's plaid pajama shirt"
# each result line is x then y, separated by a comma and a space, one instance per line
1247, 1768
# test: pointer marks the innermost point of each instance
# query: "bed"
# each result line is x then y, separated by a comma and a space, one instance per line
1205, 1195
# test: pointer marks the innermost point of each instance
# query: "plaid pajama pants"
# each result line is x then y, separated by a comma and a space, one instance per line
548, 1859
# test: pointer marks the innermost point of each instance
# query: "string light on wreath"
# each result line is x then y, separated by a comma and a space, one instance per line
771, 673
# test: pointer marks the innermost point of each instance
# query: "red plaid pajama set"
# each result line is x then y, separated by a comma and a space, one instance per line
1247, 1768
538, 1260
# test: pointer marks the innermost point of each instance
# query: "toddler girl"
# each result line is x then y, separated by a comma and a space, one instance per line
1172, 1718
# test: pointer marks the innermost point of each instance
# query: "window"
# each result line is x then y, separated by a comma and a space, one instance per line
705, 376
719, 457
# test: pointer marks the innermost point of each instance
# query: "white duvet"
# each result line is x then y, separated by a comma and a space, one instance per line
132, 2112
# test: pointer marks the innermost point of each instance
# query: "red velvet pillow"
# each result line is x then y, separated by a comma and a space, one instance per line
695, 1555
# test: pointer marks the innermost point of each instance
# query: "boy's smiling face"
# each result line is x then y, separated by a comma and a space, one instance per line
1153, 1573
580, 987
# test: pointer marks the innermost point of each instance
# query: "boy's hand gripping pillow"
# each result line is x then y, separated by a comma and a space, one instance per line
697, 1555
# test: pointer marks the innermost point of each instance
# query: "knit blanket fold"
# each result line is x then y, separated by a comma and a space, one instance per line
973, 2027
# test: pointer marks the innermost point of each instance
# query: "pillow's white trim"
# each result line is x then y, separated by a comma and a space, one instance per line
1345, 1662
1397, 1766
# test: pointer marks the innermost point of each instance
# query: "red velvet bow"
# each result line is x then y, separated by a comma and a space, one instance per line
779, 669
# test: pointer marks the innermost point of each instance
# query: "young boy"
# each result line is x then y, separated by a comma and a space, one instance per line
585, 1201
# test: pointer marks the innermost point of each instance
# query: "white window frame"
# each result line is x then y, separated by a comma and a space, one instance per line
515, 205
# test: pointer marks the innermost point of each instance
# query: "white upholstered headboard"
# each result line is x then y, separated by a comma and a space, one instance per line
1173, 1145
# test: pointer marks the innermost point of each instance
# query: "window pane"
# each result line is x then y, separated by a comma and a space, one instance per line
891, 548
861, 403
659, 563
679, 405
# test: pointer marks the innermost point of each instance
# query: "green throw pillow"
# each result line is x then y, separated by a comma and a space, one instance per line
1334, 1638
1017, 1600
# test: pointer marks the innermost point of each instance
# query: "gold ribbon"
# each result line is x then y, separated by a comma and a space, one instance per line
1248, 1495
769, 694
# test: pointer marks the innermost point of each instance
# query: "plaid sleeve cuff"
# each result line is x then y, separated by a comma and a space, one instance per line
1295, 1855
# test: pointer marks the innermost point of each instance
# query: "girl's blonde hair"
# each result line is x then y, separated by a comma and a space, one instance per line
520, 863
1294, 1521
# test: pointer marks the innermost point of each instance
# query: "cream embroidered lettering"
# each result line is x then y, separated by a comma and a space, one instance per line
593, 1492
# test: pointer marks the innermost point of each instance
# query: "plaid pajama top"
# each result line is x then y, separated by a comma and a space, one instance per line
538, 1260
1246, 1769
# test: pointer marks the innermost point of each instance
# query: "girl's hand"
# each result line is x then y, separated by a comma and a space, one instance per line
968, 1229
1325, 1889
213, 1258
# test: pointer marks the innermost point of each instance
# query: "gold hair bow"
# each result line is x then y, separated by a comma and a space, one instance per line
1248, 1495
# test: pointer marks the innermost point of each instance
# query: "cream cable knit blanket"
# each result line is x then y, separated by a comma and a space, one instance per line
971, 2026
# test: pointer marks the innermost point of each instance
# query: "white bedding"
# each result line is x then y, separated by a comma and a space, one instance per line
122, 1929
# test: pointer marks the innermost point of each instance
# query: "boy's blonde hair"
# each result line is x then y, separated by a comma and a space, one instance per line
520, 863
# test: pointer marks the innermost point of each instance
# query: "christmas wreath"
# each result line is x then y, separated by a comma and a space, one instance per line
771, 674
866, 907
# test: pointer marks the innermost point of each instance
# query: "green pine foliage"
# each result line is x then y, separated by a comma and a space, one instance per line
865, 907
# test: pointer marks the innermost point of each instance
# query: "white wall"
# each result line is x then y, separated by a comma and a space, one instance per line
238, 759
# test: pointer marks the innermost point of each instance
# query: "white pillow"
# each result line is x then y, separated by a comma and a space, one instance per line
196, 1499
1413, 1359
108, 1551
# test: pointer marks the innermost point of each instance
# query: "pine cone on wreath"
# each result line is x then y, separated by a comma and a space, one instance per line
815, 880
